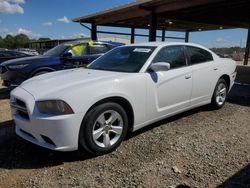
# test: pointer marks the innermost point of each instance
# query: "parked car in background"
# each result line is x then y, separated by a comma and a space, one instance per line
3, 49
69, 55
28, 51
10, 54
128, 88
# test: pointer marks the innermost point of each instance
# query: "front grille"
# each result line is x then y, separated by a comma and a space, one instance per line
3, 69
20, 103
48, 140
20, 108
28, 134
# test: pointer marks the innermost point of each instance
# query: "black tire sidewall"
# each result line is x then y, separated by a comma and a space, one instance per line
86, 131
40, 73
214, 102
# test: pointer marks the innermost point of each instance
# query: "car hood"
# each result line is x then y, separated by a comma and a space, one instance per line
57, 83
26, 60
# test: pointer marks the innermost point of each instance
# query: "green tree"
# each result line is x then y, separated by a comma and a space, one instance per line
1, 42
21, 40
18, 41
9, 42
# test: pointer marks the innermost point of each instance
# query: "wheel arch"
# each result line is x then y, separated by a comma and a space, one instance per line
227, 79
35, 71
121, 101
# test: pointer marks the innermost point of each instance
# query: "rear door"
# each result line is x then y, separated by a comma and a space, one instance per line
204, 74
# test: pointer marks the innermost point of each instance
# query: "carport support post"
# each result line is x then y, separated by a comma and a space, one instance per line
93, 31
132, 39
152, 26
187, 36
163, 35
247, 48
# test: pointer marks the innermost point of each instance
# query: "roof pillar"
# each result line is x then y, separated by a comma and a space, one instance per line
132, 39
163, 34
152, 26
187, 36
93, 31
247, 48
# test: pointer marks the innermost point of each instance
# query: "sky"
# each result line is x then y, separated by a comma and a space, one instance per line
52, 18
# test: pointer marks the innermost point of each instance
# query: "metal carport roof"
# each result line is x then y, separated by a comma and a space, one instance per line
174, 15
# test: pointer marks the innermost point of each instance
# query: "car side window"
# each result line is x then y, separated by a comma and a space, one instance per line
78, 50
198, 55
174, 55
98, 49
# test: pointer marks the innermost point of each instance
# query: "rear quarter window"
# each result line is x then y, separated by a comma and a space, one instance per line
198, 55
98, 49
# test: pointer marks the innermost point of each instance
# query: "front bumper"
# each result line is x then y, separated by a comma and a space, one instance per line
53, 132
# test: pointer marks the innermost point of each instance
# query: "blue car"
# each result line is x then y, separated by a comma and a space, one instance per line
65, 56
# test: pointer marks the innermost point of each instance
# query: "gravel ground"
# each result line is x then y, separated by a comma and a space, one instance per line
199, 148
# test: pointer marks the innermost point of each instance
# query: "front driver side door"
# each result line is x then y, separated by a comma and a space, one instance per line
169, 92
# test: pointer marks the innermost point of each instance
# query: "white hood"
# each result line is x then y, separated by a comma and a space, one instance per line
56, 82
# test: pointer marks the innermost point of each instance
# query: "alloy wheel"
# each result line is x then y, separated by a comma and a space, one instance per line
107, 128
221, 94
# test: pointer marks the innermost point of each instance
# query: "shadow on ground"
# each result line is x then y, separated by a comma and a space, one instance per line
170, 119
240, 179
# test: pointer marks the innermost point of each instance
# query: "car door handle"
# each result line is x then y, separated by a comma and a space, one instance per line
215, 69
187, 76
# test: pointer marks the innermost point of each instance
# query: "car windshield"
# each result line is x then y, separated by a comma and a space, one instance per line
56, 51
123, 59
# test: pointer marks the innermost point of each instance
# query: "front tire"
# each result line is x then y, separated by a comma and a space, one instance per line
220, 94
103, 128
40, 73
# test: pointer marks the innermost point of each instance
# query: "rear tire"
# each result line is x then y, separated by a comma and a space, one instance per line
103, 128
220, 94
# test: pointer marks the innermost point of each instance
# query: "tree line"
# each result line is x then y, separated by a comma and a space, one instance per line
228, 50
13, 42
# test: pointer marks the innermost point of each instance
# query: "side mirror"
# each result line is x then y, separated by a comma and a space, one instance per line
160, 66
67, 55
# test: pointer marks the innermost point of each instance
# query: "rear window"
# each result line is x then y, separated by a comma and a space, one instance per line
198, 55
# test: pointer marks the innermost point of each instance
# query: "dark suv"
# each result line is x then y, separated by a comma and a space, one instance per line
68, 55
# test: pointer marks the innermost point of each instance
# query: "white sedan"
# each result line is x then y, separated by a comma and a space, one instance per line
128, 88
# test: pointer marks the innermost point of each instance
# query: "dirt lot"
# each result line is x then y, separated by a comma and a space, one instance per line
200, 148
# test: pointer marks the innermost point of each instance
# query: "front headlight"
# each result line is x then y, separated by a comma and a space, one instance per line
54, 107
21, 66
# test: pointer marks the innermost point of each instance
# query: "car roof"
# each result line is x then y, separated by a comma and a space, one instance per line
17, 52
161, 44
8, 51
91, 41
